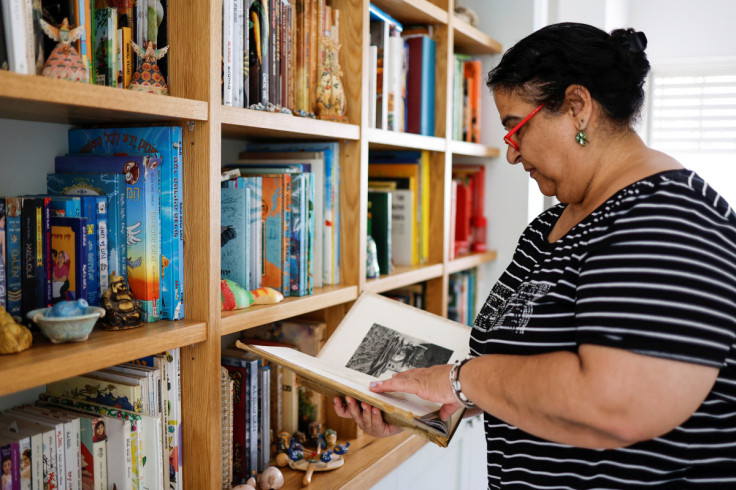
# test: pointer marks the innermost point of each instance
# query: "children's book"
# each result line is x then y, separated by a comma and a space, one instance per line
127, 396
235, 241
112, 186
50, 468
163, 142
14, 255
69, 257
10, 459
105, 45
377, 338
142, 214
32, 459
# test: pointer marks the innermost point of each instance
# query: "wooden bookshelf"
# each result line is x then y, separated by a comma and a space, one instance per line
196, 104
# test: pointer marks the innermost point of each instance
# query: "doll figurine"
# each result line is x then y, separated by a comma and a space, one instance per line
64, 62
330, 103
148, 77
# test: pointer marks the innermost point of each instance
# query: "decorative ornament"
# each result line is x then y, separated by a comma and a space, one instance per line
581, 138
148, 78
271, 479
64, 62
330, 104
14, 337
309, 461
372, 269
123, 310
235, 297
467, 15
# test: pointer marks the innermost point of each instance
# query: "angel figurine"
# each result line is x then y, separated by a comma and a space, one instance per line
148, 77
64, 62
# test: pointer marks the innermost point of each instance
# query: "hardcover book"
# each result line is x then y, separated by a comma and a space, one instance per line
142, 214
235, 242
69, 257
164, 142
14, 255
420, 90
379, 337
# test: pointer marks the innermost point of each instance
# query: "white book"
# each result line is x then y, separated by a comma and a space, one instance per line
227, 52
30, 42
15, 35
36, 434
55, 469
238, 53
119, 455
396, 82
402, 241
152, 474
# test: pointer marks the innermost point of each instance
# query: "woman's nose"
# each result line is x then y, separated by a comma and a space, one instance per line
513, 156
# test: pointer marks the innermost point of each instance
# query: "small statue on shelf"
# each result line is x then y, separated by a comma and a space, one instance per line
148, 78
64, 62
14, 337
235, 297
123, 311
330, 104
309, 461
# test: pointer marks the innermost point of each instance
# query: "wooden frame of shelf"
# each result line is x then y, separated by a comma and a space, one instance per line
240, 123
470, 261
403, 276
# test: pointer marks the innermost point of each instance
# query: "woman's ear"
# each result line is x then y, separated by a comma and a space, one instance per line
580, 104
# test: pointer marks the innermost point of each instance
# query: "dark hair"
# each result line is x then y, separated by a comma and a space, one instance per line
612, 67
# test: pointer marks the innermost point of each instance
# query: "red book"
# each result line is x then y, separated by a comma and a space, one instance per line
462, 221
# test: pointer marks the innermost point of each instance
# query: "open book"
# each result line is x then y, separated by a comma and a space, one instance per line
379, 337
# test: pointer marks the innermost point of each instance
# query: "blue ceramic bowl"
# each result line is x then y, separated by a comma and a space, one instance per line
66, 329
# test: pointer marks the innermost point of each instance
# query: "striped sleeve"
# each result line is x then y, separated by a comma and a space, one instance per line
661, 281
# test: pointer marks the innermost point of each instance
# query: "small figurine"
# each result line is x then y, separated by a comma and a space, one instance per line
14, 337
148, 77
316, 439
271, 479
68, 308
330, 103
330, 439
310, 461
282, 447
123, 310
64, 62
342, 448
235, 297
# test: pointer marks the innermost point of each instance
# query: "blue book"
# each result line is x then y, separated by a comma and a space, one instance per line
330, 224
14, 262
66, 206
69, 256
90, 210
234, 235
164, 142
299, 235
143, 223
255, 185
113, 187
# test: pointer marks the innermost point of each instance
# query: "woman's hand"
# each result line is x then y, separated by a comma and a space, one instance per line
431, 383
367, 417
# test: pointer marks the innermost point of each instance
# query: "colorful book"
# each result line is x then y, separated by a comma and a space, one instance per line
142, 214
14, 255
53, 445
235, 241
69, 257
420, 90
111, 185
259, 60
3, 255
164, 142
10, 459
106, 29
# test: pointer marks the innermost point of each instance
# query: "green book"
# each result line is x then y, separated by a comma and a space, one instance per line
379, 216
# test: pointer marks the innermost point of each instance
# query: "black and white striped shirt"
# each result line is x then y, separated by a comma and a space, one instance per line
653, 271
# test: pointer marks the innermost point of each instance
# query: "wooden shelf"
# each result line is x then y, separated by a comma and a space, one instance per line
239, 123
382, 139
413, 11
45, 362
469, 261
368, 460
235, 321
469, 40
403, 276
462, 148
36, 98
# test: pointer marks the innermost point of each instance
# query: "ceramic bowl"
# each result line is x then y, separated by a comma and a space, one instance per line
66, 329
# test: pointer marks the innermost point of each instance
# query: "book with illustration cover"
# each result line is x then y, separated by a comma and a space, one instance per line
69, 258
235, 241
379, 337
164, 142
105, 46
142, 214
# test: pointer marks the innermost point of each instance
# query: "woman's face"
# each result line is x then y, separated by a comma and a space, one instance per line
6, 467
546, 147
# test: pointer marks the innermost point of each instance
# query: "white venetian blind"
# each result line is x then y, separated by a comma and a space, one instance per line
692, 117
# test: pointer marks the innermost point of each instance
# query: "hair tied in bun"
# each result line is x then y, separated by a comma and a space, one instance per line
634, 41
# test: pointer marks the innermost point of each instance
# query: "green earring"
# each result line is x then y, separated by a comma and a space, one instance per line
581, 138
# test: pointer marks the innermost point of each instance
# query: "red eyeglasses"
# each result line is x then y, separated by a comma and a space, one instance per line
507, 139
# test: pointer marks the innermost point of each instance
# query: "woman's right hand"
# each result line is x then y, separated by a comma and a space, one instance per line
367, 417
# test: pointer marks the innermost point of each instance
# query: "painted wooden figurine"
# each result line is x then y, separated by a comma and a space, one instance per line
64, 62
234, 297
148, 77
330, 104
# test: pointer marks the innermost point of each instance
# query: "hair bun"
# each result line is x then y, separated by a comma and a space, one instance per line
633, 41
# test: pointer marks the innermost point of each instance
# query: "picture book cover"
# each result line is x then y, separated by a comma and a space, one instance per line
142, 214
13, 255
126, 396
164, 142
234, 235
275, 224
69, 257
111, 185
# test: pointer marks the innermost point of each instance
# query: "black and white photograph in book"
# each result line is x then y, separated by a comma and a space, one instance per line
384, 350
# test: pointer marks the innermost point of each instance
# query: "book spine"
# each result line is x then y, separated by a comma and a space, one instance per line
15, 255
234, 237
311, 234
89, 211
3, 257
237, 53
264, 422
286, 236
102, 244
169, 176
28, 246
252, 405
237, 373
227, 51
297, 232
179, 221
428, 87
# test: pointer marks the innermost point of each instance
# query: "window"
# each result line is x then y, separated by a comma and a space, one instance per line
692, 117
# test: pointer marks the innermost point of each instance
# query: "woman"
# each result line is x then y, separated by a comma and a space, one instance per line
605, 355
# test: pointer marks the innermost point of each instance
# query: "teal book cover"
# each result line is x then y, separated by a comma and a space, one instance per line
234, 236
164, 142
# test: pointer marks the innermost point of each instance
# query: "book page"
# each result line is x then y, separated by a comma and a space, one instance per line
380, 336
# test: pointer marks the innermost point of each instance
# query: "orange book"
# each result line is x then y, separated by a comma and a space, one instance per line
472, 74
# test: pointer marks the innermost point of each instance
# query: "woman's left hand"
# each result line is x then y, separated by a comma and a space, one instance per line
431, 384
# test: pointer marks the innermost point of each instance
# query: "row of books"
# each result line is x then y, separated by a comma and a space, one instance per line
281, 215
398, 207
466, 90
105, 42
266, 399
114, 428
272, 51
401, 75
461, 304
468, 224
